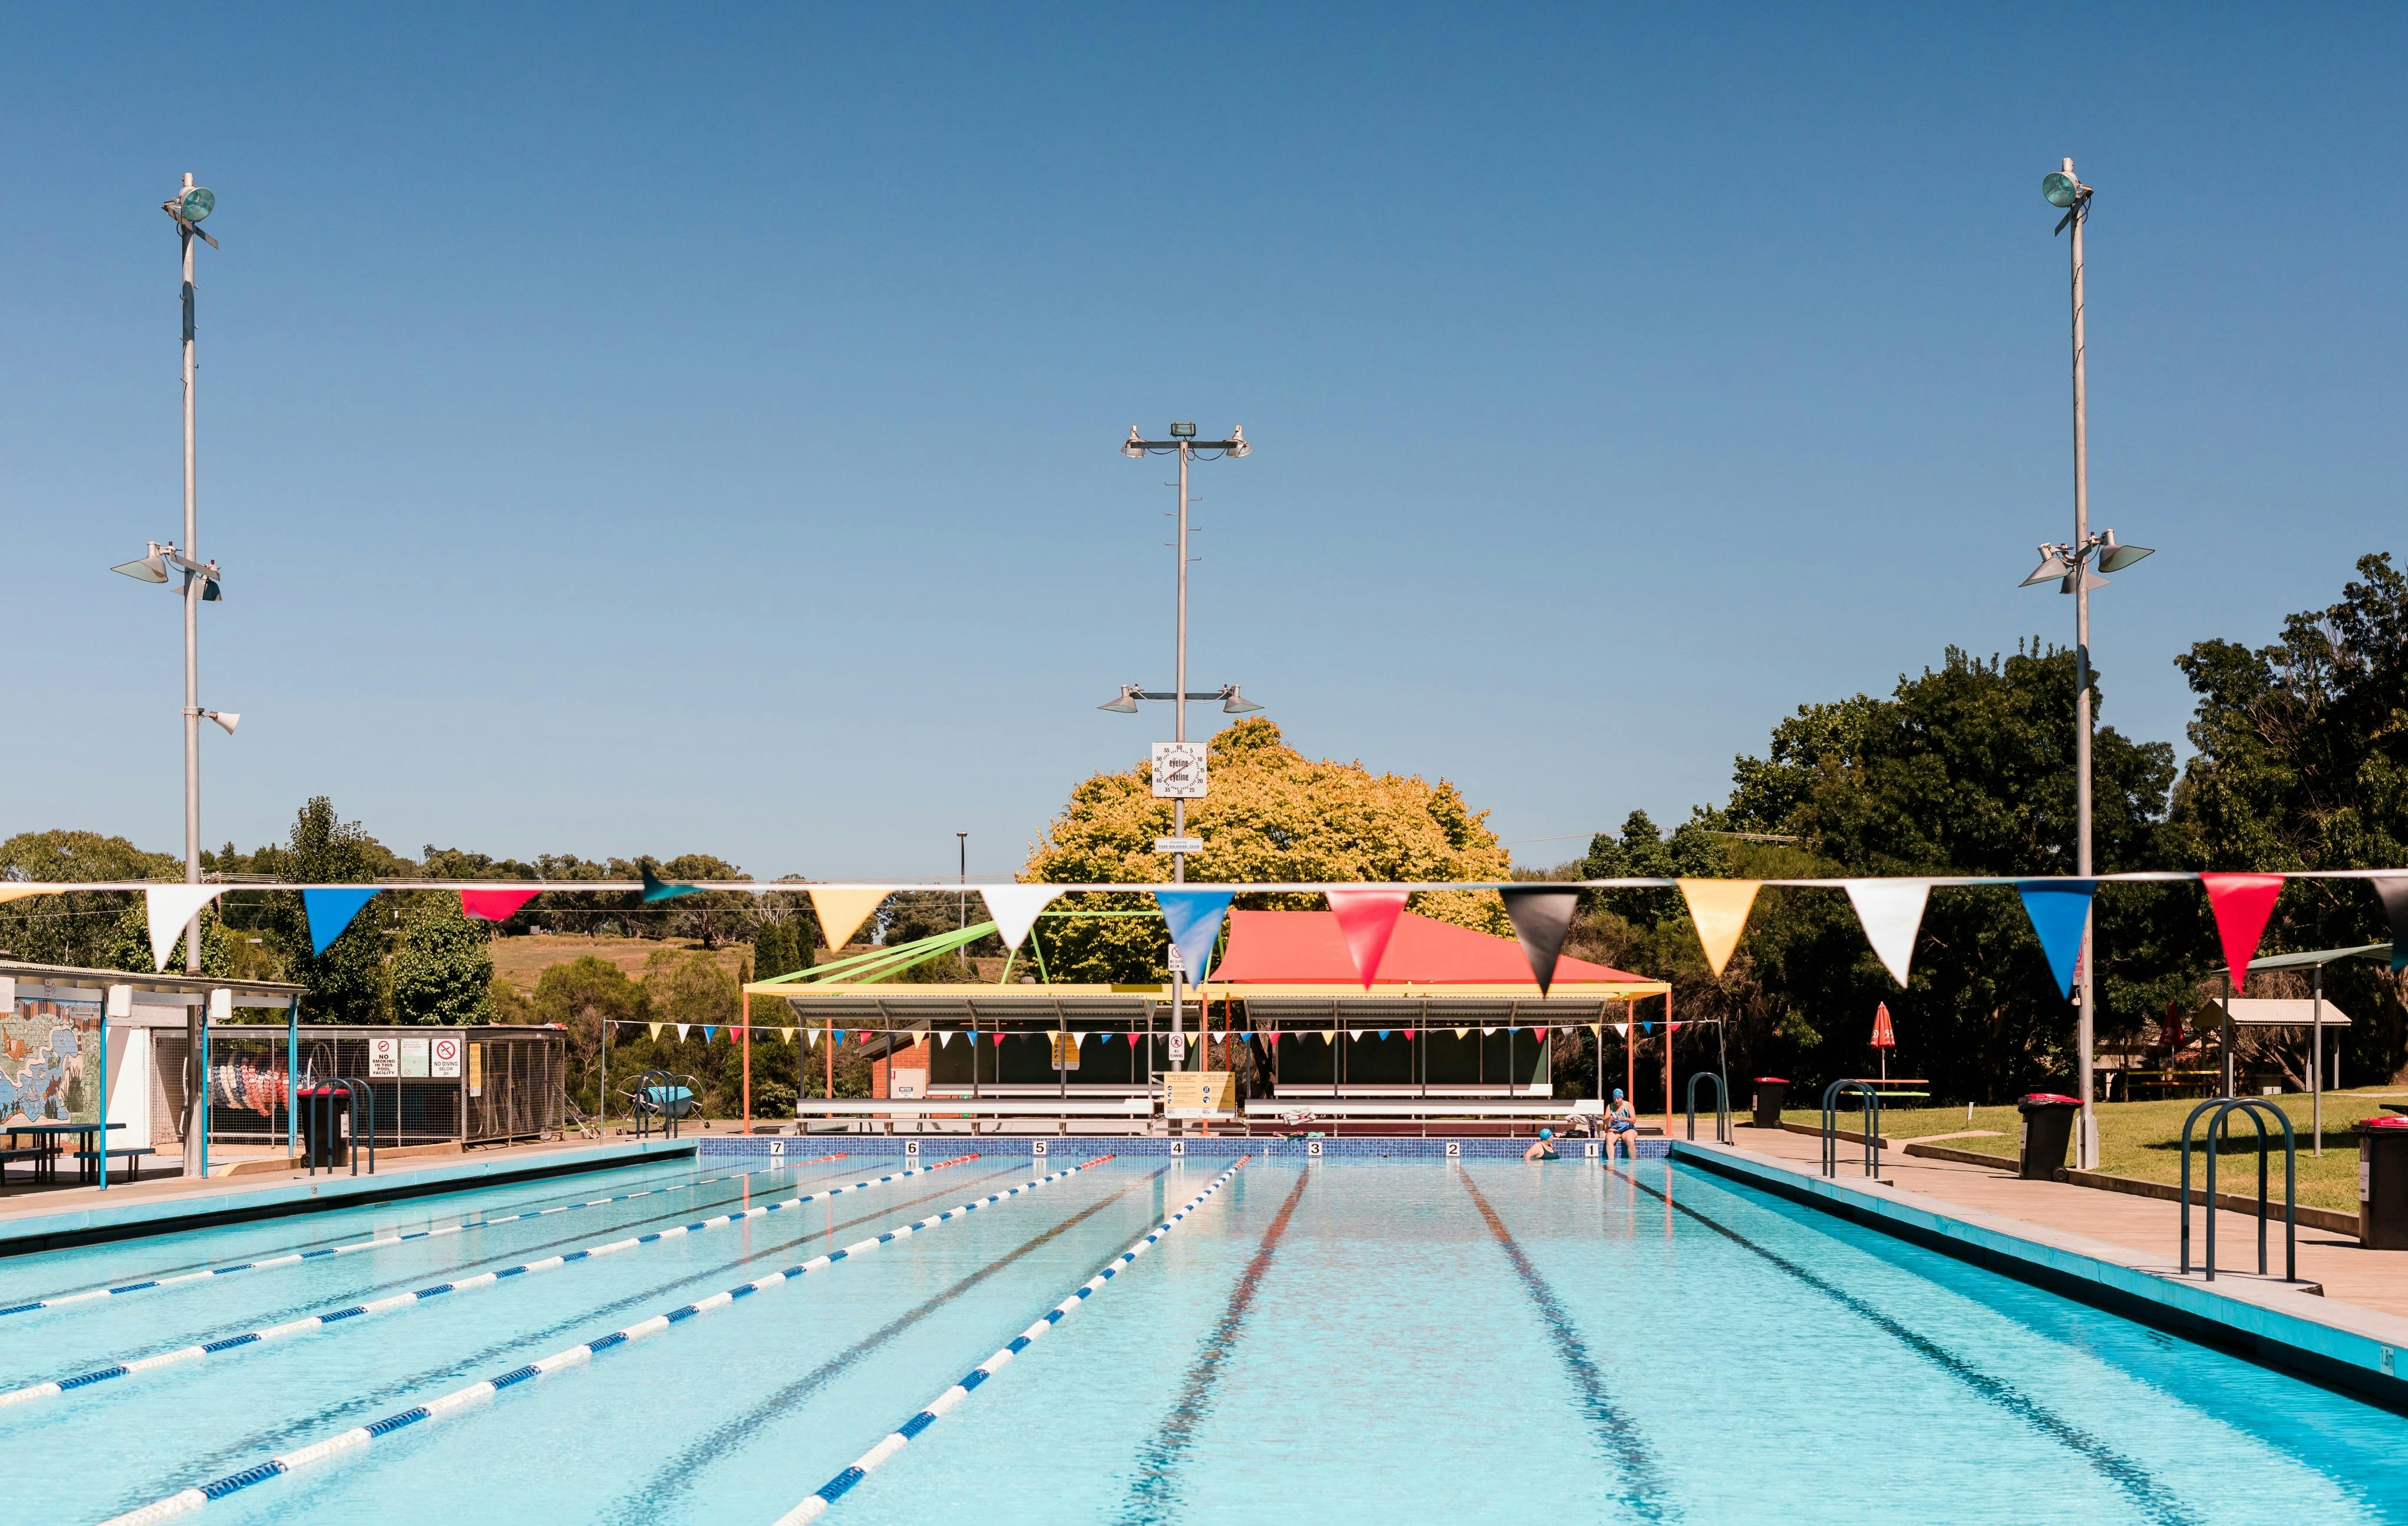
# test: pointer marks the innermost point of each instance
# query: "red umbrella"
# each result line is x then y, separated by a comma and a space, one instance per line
1884, 1037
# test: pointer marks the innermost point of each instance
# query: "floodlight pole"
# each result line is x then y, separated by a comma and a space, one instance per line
196, 1105
2086, 1146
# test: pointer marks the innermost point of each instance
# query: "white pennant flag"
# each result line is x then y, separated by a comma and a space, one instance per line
1488, 1032
170, 907
1890, 911
681, 1028
1014, 908
1078, 1040
1622, 1028
811, 1038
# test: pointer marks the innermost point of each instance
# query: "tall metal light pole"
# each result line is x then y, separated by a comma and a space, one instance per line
189, 206
1184, 444
2069, 566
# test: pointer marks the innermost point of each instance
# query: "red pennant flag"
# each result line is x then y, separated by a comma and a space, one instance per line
1409, 1035
1368, 920
1540, 1032
2242, 904
495, 905
998, 1038
1884, 1037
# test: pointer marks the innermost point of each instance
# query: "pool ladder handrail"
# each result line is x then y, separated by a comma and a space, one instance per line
645, 1106
2256, 1108
1872, 1106
1722, 1106
360, 1092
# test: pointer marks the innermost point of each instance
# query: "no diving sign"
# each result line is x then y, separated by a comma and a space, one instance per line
446, 1057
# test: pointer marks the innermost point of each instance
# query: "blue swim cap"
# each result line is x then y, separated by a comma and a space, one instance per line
1617, 1094
1546, 1133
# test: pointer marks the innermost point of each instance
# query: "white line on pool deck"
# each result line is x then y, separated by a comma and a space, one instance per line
310, 1323
185, 1501
383, 1241
817, 1503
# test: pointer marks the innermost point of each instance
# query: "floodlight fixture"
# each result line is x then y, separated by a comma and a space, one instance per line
149, 568
1126, 703
1182, 431
2113, 557
194, 203
2061, 188
2053, 565
1234, 703
1134, 446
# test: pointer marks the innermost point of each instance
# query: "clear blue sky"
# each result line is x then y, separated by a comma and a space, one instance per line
651, 430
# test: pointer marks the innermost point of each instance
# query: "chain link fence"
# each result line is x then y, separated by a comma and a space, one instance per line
492, 1085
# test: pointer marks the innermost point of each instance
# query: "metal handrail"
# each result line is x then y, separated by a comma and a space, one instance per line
363, 1099
1872, 1106
2255, 1109
1722, 1106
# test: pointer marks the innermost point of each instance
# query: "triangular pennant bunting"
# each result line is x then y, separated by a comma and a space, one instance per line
811, 1038
1539, 1033
330, 912
1014, 908
708, 1030
682, 1031
656, 888
495, 905
655, 1027
2242, 904
2060, 911
1890, 911
1719, 909
786, 1035
1194, 919
1463, 1033
841, 912
1541, 919
170, 906
19, 892
1622, 1030
1368, 919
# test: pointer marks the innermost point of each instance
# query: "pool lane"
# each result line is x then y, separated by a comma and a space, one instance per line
72, 1338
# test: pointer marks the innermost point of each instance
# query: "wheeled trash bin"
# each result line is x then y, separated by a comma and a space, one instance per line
1770, 1091
2048, 1127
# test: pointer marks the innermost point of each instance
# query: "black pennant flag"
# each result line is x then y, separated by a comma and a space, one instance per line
2393, 889
1541, 919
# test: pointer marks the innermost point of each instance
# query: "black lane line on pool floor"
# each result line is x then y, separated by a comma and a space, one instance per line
304, 1427
1643, 1481
1153, 1495
682, 1471
2132, 1478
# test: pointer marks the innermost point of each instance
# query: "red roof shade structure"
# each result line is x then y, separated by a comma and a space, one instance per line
1305, 948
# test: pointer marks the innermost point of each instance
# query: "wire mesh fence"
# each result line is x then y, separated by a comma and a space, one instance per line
465, 1086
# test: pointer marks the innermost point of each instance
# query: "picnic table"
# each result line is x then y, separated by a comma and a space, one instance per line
45, 1155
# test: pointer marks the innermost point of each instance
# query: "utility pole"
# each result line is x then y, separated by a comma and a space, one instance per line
963, 839
2086, 1023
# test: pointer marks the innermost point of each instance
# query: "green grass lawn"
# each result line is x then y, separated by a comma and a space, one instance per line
2144, 1140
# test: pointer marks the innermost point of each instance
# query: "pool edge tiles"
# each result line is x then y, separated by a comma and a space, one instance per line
1204, 1146
2336, 1343
209, 1208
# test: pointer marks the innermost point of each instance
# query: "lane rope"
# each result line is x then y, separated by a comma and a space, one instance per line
185, 1501
817, 1503
384, 1240
401, 1301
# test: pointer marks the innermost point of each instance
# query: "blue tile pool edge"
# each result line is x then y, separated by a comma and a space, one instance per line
2334, 1343
1203, 1146
32, 1233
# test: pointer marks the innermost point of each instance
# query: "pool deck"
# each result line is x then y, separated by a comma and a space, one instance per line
50, 1218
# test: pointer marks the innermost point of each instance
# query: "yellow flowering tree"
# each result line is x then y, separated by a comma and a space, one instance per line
1272, 814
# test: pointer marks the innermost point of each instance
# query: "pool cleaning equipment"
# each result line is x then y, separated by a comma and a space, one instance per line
383, 1241
189, 1500
817, 1504
183, 1355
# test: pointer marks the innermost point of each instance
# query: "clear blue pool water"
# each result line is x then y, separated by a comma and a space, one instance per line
1344, 1340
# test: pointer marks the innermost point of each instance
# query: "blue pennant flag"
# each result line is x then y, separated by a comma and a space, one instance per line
330, 912
1194, 919
1383, 1033
708, 1029
2059, 909
656, 888
1647, 1027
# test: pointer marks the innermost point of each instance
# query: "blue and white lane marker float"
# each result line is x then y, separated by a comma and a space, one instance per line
402, 1300
834, 1490
189, 1500
383, 1241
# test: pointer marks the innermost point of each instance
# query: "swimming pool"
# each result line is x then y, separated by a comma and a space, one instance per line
1337, 1339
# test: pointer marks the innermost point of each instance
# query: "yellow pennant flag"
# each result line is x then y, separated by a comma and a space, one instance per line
1597, 1028
1719, 908
786, 1035
1330, 1037
19, 892
1463, 1033
655, 1027
841, 912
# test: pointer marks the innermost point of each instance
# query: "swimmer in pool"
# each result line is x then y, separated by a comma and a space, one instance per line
1541, 1149
1621, 1128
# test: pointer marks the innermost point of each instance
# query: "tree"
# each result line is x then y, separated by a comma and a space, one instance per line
581, 996
443, 966
129, 944
773, 950
1272, 814
76, 927
347, 982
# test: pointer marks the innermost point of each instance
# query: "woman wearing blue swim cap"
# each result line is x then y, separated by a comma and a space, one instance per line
1543, 1149
1621, 1127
